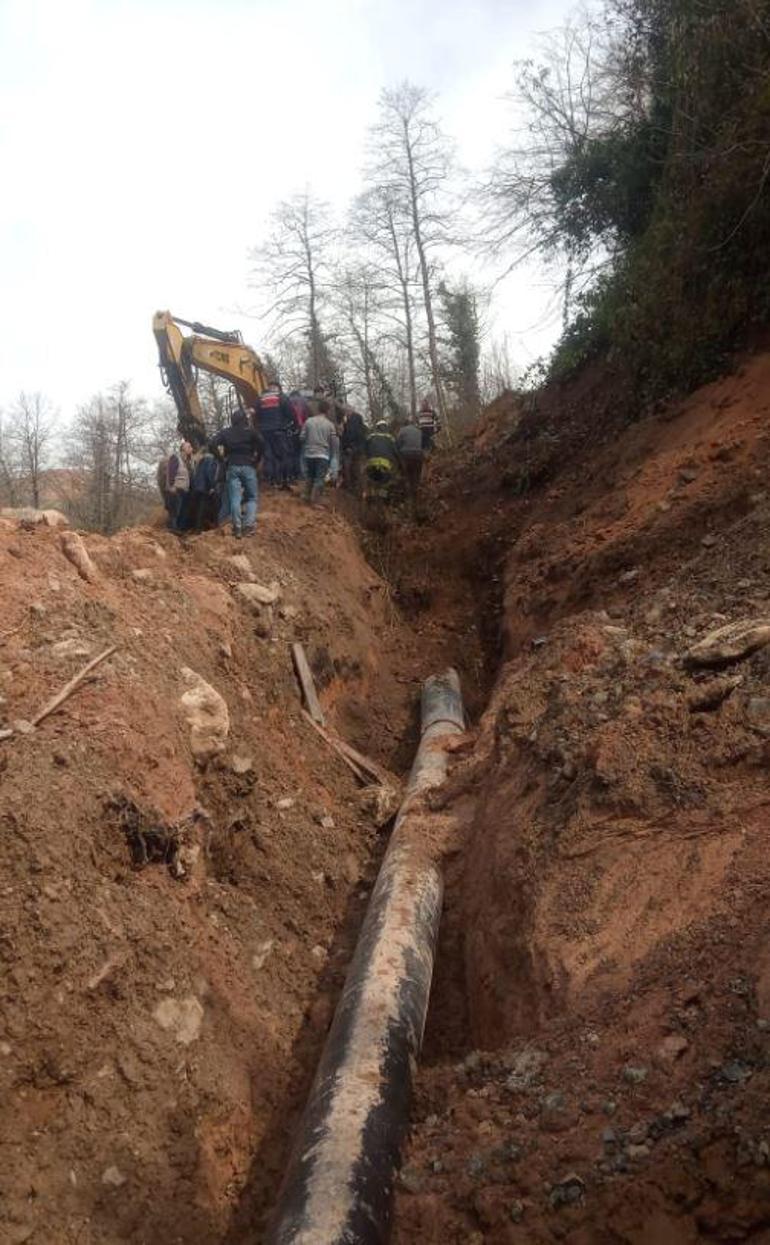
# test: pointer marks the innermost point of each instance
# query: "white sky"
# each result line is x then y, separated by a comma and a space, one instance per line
144, 142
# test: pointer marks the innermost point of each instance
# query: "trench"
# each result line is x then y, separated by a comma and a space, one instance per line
452, 609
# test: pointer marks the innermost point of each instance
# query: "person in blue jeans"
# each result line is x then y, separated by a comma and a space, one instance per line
242, 447
320, 445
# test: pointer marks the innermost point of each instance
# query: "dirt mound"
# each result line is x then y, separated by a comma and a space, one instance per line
177, 913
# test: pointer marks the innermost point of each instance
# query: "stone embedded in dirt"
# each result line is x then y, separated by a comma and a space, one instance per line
634, 1074
678, 1112
734, 1072
730, 643
637, 1151
525, 1068
242, 565
289, 612
75, 552
327, 823
411, 1180
240, 763
555, 1117
257, 596
671, 1048
516, 1212
709, 541
569, 1190
758, 714
259, 958
320, 953
180, 1017
380, 802
206, 715
225, 649
711, 695
630, 577
71, 648
284, 804
113, 1176
142, 575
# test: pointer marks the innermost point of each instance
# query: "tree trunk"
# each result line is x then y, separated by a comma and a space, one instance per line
404, 283
425, 275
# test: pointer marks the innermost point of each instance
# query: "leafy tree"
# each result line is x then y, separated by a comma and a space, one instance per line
462, 347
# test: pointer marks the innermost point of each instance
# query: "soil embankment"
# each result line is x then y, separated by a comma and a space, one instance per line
608, 912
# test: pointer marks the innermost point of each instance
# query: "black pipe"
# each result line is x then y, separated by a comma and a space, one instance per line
339, 1184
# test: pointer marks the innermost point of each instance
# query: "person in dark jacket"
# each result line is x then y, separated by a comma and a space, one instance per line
302, 413
204, 501
353, 448
382, 461
275, 420
242, 447
178, 486
411, 453
429, 424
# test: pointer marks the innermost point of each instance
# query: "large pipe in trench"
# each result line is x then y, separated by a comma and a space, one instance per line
339, 1183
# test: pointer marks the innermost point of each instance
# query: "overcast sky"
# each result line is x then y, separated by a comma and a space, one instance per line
144, 142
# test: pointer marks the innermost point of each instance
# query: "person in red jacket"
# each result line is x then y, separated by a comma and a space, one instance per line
274, 419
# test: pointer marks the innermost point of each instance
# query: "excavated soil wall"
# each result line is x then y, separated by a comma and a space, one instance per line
608, 910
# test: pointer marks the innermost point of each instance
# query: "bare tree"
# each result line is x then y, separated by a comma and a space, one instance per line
382, 226
27, 442
411, 163
113, 445
295, 264
578, 90
498, 371
9, 470
366, 336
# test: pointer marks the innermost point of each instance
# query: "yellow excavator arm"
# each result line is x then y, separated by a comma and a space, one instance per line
208, 349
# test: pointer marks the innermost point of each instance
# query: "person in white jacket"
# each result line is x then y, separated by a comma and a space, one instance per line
320, 447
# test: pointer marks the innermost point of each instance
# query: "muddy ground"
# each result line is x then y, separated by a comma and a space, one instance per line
174, 930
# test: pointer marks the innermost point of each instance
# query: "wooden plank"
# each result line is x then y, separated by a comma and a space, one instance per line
366, 771
305, 676
333, 743
72, 686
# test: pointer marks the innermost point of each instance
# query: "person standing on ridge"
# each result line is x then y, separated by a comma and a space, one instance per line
409, 445
275, 422
382, 460
178, 485
242, 446
320, 445
302, 413
429, 423
353, 450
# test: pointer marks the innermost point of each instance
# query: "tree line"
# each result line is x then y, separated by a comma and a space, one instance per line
637, 169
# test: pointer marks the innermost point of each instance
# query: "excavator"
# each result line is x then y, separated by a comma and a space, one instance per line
183, 355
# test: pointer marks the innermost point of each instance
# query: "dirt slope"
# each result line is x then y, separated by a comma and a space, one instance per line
173, 932
608, 916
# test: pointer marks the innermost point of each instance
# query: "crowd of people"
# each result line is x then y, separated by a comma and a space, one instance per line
289, 440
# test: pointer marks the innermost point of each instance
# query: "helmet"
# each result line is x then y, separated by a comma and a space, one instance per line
382, 423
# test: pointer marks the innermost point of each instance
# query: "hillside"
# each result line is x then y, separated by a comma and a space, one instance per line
176, 930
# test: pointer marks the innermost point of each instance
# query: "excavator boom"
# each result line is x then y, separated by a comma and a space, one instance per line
223, 354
